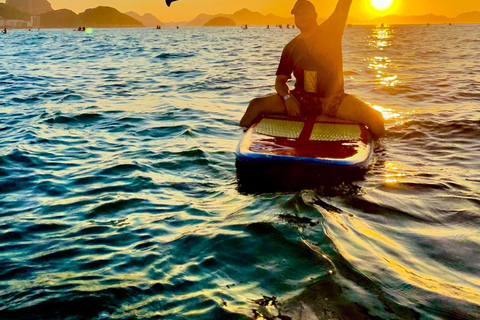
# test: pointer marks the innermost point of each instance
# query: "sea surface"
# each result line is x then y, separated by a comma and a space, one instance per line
119, 197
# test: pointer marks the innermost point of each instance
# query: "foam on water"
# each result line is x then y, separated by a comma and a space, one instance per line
118, 194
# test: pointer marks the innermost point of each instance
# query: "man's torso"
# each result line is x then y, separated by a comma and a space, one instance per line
317, 62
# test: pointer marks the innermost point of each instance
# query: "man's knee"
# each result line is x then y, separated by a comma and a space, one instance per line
377, 117
376, 124
355, 109
254, 104
253, 111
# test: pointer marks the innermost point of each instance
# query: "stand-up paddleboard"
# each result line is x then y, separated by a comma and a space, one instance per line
284, 154
323, 141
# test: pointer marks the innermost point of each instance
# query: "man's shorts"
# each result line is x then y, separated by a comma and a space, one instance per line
312, 105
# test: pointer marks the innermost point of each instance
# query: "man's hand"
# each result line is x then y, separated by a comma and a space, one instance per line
292, 107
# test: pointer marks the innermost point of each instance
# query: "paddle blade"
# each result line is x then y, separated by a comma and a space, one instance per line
169, 2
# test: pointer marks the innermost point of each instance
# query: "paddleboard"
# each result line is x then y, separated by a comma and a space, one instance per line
326, 142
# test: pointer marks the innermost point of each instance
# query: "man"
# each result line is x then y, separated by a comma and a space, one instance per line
315, 58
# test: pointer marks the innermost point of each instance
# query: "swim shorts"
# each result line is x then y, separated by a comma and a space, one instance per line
312, 105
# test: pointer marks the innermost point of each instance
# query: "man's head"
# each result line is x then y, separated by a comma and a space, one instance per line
305, 14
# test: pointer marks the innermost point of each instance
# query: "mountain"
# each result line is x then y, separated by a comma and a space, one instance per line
107, 17
220, 22
394, 19
246, 16
32, 7
203, 18
469, 17
148, 19
353, 20
62, 18
9, 13
242, 17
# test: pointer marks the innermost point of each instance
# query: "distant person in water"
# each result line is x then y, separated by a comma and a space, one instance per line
4, 31
315, 59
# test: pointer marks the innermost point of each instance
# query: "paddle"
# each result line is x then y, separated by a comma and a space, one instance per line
169, 2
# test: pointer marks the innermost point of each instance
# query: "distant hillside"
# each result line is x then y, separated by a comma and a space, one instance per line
9, 13
220, 22
107, 17
394, 19
62, 18
203, 18
32, 7
148, 19
470, 17
246, 16
242, 17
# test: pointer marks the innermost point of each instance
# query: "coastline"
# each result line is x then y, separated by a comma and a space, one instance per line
250, 26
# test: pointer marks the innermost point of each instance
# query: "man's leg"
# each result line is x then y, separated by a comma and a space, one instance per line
355, 109
271, 104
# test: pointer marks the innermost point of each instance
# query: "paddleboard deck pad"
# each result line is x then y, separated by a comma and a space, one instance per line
327, 142
284, 154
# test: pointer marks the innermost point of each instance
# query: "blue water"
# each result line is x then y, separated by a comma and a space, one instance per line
118, 191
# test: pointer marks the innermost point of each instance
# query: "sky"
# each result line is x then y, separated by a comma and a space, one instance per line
186, 10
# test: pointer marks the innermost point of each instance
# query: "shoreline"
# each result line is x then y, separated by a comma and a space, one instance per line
239, 26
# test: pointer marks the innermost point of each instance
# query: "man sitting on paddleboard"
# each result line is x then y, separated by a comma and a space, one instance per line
315, 58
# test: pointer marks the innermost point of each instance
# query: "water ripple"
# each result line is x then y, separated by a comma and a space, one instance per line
118, 193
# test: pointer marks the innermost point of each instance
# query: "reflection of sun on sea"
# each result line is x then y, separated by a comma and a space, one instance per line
392, 173
381, 4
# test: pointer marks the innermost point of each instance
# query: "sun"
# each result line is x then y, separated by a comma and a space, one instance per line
381, 4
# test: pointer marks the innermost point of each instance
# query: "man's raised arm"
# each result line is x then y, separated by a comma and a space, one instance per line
338, 19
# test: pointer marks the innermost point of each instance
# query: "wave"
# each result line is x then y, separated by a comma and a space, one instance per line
165, 55
119, 196
84, 118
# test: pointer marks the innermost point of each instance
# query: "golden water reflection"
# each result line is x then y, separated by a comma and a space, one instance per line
380, 65
392, 173
381, 38
393, 115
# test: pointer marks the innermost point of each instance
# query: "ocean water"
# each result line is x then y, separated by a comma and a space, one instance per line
119, 198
